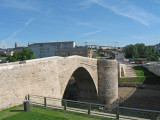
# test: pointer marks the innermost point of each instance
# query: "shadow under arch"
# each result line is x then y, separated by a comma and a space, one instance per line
81, 87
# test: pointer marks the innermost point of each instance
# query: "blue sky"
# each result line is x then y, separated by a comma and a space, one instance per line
97, 22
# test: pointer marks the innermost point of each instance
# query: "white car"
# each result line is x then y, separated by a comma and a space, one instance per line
132, 62
147, 63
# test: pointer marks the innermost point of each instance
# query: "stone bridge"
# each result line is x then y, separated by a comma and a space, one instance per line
97, 80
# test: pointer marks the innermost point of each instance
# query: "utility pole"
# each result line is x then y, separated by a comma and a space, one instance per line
115, 43
85, 43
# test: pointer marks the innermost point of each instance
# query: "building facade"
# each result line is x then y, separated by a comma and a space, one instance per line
106, 47
49, 49
81, 51
93, 46
157, 46
64, 49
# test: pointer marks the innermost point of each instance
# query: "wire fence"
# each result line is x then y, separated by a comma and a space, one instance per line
109, 111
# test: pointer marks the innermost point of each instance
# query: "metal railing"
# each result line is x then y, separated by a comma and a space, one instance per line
109, 111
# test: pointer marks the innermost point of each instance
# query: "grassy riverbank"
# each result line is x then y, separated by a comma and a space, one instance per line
38, 113
144, 76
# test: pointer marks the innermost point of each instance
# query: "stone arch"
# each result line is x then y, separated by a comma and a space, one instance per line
49, 77
86, 87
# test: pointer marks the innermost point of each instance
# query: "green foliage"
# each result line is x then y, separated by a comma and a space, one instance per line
98, 55
100, 50
95, 55
25, 54
137, 80
141, 51
143, 72
2, 54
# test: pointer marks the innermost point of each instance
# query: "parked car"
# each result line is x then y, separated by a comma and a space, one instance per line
132, 62
139, 61
147, 63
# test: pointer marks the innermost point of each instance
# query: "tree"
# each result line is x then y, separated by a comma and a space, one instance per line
15, 57
141, 51
100, 50
2, 54
131, 51
25, 54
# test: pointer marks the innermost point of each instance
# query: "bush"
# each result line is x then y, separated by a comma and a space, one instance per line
25, 54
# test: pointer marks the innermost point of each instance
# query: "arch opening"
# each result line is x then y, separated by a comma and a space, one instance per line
81, 87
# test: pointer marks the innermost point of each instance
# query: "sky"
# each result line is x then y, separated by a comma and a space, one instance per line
94, 22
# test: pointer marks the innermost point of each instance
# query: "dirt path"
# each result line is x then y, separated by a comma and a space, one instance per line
139, 98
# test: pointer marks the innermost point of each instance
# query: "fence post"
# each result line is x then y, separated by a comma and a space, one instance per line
117, 114
65, 104
89, 109
45, 102
28, 97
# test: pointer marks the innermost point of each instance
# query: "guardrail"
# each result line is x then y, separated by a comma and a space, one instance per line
109, 111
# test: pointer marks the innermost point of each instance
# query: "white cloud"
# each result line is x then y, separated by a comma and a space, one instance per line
4, 44
139, 37
91, 33
79, 23
91, 40
28, 22
20, 4
87, 25
19, 30
126, 9
157, 1
49, 12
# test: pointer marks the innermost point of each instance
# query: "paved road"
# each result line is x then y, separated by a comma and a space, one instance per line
119, 56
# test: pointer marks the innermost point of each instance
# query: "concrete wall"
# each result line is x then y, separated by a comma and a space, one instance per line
49, 77
155, 69
121, 70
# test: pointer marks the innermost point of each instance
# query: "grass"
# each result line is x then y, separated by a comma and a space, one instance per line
137, 80
143, 72
39, 113
144, 76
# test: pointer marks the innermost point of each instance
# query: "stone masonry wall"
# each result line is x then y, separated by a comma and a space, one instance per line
49, 77
44, 77
107, 81
155, 69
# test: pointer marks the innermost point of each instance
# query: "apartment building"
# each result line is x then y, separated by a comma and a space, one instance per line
64, 49
49, 49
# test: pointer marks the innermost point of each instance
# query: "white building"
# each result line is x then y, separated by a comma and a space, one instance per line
157, 46
49, 49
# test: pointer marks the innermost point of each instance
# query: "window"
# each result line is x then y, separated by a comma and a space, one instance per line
74, 52
63, 53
